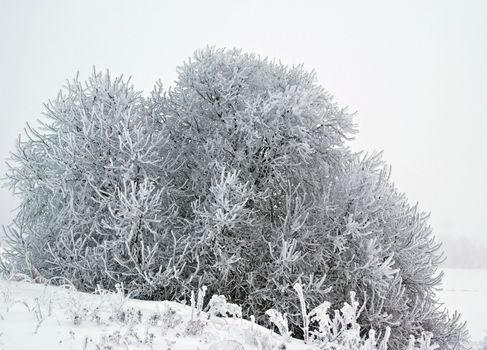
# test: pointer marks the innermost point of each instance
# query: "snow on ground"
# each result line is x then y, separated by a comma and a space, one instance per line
465, 290
40, 317
33, 316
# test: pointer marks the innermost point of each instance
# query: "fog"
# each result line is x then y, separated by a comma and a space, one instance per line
414, 71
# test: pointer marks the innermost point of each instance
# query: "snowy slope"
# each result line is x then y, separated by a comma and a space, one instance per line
38, 317
33, 316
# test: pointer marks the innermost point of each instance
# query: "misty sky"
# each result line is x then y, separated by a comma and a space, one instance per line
416, 72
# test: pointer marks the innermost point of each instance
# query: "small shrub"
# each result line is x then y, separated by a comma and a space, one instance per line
280, 321
218, 306
195, 327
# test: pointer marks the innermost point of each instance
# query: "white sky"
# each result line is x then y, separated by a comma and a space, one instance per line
416, 72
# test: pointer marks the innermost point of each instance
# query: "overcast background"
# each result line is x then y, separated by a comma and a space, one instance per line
415, 71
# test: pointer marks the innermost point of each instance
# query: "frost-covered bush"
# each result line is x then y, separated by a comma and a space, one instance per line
382, 247
275, 197
339, 329
237, 178
96, 203
218, 306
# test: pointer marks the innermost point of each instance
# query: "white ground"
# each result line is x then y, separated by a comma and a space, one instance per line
38, 317
466, 291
